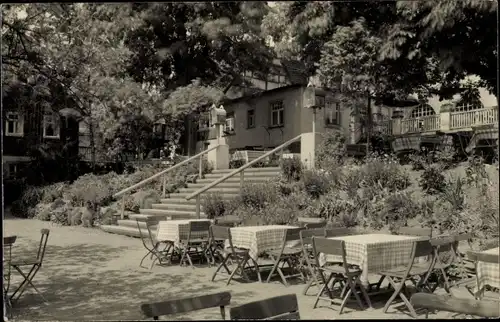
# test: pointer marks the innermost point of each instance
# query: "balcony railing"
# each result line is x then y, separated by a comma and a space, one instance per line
467, 119
445, 121
421, 124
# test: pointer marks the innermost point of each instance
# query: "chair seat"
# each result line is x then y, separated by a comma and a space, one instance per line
417, 269
195, 241
353, 269
238, 251
288, 251
25, 262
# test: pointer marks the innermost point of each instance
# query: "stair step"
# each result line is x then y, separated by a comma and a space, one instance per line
212, 190
265, 169
222, 185
183, 201
169, 206
172, 214
133, 224
143, 217
228, 195
124, 230
236, 178
247, 174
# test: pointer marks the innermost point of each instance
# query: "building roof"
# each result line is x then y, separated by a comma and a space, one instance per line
295, 71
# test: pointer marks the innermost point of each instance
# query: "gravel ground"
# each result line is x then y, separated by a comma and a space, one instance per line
92, 275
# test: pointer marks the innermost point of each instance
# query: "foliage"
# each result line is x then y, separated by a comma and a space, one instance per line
292, 168
331, 151
454, 194
384, 172
315, 183
235, 164
258, 195
24, 207
432, 180
142, 199
214, 205
475, 171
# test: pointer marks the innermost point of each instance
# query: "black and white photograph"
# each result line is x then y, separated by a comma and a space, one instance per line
250, 160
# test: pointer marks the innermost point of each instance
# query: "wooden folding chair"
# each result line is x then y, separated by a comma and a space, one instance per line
407, 231
238, 255
420, 248
306, 242
229, 221
198, 239
188, 304
477, 257
461, 262
444, 257
484, 309
35, 263
287, 255
284, 307
8, 242
348, 274
152, 245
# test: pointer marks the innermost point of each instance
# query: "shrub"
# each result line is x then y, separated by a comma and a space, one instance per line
336, 208
43, 211
61, 209
258, 195
24, 207
91, 189
315, 183
454, 194
475, 171
213, 205
386, 172
235, 164
291, 168
432, 180
141, 199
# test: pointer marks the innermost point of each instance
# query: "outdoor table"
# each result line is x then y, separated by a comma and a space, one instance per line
374, 252
177, 230
259, 239
488, 273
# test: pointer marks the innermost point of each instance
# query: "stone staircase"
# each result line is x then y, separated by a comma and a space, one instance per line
175, 206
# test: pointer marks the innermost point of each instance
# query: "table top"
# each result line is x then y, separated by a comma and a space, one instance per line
374, 238
182, 221
262, 228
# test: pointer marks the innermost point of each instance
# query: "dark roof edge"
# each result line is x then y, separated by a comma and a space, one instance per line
261, 93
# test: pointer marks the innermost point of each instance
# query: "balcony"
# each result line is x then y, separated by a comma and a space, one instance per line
445, 122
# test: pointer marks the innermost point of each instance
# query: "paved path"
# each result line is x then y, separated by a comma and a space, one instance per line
92, 275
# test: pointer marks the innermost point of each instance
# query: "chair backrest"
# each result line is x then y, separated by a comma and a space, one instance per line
315, 225
424, 232
149, 235
483, 257
9, 241
292, 234
307, 234
230, 221
486, 309
221, 232
337, 232
184, 305
284, 307
308, 220
202, 228
43, 244
444, 248
329, 247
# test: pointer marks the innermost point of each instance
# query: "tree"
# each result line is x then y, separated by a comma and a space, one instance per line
459, 36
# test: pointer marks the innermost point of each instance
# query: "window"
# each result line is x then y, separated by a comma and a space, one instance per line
332, 113
277, 113
50, 125
251, 118
422, 111
466, 107
229, 127
319, 101
14, 125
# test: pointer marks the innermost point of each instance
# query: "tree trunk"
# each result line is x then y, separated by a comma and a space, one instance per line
369, 124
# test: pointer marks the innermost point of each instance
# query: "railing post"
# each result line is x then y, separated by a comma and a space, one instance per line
200, 168
164, 184
242, 179
198, 206
122, 215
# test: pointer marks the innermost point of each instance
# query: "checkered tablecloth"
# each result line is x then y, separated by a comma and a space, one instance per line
374, 252
177, 230
488, 273
258, 239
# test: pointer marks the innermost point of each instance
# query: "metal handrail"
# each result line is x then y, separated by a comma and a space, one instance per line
159, 174
242, 168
